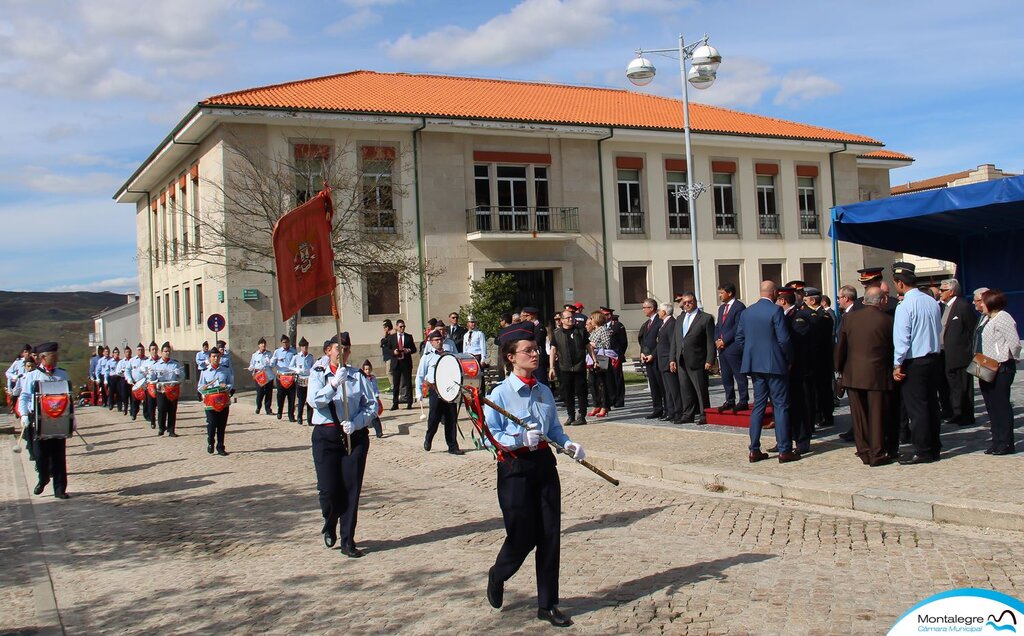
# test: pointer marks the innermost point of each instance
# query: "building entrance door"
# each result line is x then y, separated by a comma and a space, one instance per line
535, 287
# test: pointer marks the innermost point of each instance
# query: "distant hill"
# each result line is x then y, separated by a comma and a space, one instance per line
34, 317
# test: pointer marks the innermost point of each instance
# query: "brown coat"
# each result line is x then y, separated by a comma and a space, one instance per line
864, 352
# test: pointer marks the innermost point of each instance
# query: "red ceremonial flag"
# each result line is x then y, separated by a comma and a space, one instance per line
303, 253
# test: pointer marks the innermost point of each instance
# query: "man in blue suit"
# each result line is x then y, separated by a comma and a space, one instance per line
767, 353
730, 352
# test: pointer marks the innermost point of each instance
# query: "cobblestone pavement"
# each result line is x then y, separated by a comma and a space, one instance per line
160, 537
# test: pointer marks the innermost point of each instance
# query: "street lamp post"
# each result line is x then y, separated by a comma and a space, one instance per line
703, 71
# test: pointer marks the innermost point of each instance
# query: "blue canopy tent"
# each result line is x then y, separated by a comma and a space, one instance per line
978, 226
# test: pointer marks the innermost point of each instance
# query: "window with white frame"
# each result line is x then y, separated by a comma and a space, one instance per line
177, 308
311, 162
541, 197
482, 191
188, 307
194, 194
378, 193
806, 197
678, 211
513, 203
767, 214
199, 303
631, 215
725, 210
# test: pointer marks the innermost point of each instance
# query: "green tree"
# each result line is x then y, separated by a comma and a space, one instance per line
488, 299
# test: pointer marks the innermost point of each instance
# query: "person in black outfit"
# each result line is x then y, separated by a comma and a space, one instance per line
455, 331
619, 343
569, 347
401, 346
648, 339
540, 335
663, 359
958, 324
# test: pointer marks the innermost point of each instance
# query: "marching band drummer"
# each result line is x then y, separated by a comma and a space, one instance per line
439, 409
301, 364
133, 375
17, 368
262, 362
149, 402
343, 405
19, 385
282, 358
50, 454
529, 491
166, 370
202, 361
216, 376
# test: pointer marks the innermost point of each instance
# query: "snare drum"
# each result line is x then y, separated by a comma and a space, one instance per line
151, 389
286, 380
171, 390
216, 398
303, 380
455, 370
53, 410
260, 377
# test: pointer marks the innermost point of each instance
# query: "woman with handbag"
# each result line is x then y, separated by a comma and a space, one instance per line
997, 347
601, 340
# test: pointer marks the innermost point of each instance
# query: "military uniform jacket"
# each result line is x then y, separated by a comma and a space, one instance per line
358, 394
29, 385
166, 371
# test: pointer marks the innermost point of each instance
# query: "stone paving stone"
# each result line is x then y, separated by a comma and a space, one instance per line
160, 537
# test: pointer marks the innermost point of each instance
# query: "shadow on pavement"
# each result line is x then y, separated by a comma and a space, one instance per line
118, 470
614, 520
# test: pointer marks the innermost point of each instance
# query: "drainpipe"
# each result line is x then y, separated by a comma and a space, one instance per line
835, 240
149, 236
419, 231
604, 221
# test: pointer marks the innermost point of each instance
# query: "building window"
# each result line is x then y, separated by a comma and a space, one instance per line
199, 303
634, 285
164, 243
772, 272
310, 170
725, 211
730, 273
194, 193
188, 308
540, 187
482, 185
382, 294
767, 214
318, 307
378, 195
157, 313
183, 213
177, 308
808, 210
513, 210
812, 274
682, 279
631, 216
678, 212
172, 211
167, 311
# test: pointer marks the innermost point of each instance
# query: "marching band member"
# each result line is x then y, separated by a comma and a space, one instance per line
120, 383
439, 409
19, 387
529, 491
149, 402
281, 359
367, 370
216, 377
167, 370
50, 454
17, 368
102, 369
203, 357
133, 375
225, 355
338, 391
93, 361
261, 365
300, 365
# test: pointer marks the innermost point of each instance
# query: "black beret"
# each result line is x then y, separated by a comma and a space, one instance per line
530, 310
328, 343
152, 343
261, 341
798, 285
285, 337
206, 343
221, 343
165, 345
142, 346
216, 351
46, 347
513, 333
27, 347
366, 363
303, 342
340, 339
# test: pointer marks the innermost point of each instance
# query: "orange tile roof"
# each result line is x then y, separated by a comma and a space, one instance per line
887, 154
933, 183
501, 100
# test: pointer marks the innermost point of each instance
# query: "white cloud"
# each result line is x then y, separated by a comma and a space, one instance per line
42, 180
123, 285
801, 86
269, 29
370, 3
358, 20
742, 82
85, 159
533, 29
60, 132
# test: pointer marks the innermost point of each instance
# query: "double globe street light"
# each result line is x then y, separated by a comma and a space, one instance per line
704, 61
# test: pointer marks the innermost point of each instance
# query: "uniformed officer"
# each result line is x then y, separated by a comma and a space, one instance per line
50, 454
301, 364
225, 355
530, 316
282, 359
529, 491
149, 402
17, 368
342, 406
261, 360
822, 364
619, 344
474, 342
801, 382
102, 368
216, 376
202, 362
439, 409
120, 384
166, 370
27, 431
135, 374
93, 361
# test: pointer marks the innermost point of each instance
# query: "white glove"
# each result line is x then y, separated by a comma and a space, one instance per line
334, 381
346, 427
24, 421
531, 437
576, 450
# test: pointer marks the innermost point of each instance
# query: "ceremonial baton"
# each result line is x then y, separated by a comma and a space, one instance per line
16, 447
597, 471
88, 446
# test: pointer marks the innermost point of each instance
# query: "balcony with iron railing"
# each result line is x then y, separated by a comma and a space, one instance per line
499, 222
809, 223
768, 224
725, 223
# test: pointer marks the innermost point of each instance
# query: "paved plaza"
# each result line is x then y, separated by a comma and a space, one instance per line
160, 537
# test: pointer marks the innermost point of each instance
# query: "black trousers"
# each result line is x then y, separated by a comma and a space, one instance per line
824, 404
135, 405
673, 401
961, 394
599, 388
149, 408
441, 410
730, 365
114, 383
283, 393
401, 384
997, 402
167, 413
216, 424
301, 393
264, 396
30, 443
51, 463
803, 407
657, 386
694, 393
616, 386
339, 478
919, 398
574, 392
530, 497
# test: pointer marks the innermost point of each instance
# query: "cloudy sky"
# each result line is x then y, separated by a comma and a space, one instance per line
87, 89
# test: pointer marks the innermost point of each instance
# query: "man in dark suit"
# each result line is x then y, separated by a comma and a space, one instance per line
730, 354
958, 324
663, 358
648, 339
455, 331
863, 358
691, 355
801, 404
402, 346
767, 352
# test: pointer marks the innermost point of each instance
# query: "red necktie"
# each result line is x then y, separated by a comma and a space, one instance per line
725, 313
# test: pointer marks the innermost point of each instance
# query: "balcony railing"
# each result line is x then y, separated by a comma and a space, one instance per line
678, 223
382, 221
809, 223
768, 223
725, 223
499, 219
